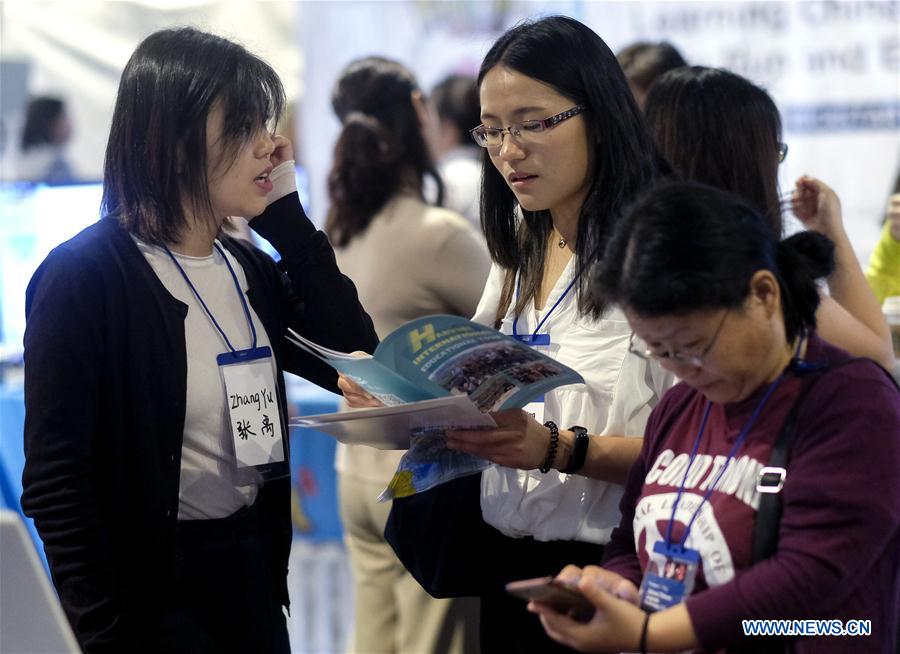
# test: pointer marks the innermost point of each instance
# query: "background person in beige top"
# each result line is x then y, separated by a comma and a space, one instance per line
408, 260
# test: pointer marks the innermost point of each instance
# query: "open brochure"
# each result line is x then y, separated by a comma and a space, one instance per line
434, 357
390, 427
439, 355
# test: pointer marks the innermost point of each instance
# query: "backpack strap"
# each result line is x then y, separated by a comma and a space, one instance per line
769, 485
771, 478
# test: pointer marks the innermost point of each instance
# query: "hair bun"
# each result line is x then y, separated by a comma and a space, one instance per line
808, 253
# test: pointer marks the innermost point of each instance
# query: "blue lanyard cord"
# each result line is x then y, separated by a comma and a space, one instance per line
203, 304
688, 469
552, 309
734, 448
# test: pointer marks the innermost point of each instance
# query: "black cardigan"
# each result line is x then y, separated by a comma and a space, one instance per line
105, 393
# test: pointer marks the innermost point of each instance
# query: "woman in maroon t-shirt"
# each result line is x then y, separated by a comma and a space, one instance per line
712, 295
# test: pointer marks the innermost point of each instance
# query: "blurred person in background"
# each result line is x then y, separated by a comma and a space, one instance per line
644, 62
717, 127
164, 528
47, 131
408, 260
455, 100
883, 273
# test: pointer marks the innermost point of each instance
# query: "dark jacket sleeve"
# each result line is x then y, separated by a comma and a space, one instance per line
840, 513
316, 299
64, 364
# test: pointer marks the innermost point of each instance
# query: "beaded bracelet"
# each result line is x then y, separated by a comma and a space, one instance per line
551, 451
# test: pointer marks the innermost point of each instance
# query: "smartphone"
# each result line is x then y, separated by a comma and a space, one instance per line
564, 598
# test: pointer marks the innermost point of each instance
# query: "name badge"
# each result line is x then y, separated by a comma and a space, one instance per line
541, 343
251, 394
669, 577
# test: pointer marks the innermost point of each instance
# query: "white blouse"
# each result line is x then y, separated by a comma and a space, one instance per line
619, 392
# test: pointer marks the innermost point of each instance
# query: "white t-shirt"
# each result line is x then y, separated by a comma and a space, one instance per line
208, 486
619, 392
460, 169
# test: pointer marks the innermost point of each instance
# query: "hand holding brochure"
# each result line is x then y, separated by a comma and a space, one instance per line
390, 427
435, 357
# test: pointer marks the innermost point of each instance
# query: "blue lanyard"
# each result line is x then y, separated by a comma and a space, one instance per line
734, 448
515, 331
203, 304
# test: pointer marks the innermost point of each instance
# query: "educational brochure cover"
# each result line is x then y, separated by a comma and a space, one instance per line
432, 357
441, 355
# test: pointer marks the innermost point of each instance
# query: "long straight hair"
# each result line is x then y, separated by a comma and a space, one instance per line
716, 127
573, 60
156, 153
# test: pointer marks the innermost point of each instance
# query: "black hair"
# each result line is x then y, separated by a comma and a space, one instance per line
643, 62
719, 128
156, 154
456, 100
686, 246
569, 57
40, 117
381, 147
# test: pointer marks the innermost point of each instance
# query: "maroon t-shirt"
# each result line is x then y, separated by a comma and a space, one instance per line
838, 551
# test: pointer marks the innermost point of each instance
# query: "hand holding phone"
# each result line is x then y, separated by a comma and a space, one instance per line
561, 596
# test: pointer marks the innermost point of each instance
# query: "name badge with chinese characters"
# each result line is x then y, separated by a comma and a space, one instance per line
541, 343
251, 395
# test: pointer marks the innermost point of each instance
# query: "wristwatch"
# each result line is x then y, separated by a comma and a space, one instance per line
579, 450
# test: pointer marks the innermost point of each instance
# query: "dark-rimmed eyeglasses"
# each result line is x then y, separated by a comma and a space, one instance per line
683, 358
492, 137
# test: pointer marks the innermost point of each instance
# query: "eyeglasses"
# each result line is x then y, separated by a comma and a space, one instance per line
492, 137
682, 358
782, 152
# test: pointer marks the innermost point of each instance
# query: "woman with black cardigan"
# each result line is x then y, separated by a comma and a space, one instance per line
163, 507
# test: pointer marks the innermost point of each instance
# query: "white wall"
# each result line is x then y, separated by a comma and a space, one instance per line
77, 50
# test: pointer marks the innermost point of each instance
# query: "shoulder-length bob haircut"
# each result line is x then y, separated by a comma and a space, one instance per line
686, 247
156, 155
569, 57
716, 127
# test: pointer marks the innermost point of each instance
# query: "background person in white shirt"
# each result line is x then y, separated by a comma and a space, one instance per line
47, 131
455, 99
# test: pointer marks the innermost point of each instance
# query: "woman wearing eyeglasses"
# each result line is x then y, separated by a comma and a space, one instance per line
716, 127
770, 474
567, 146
